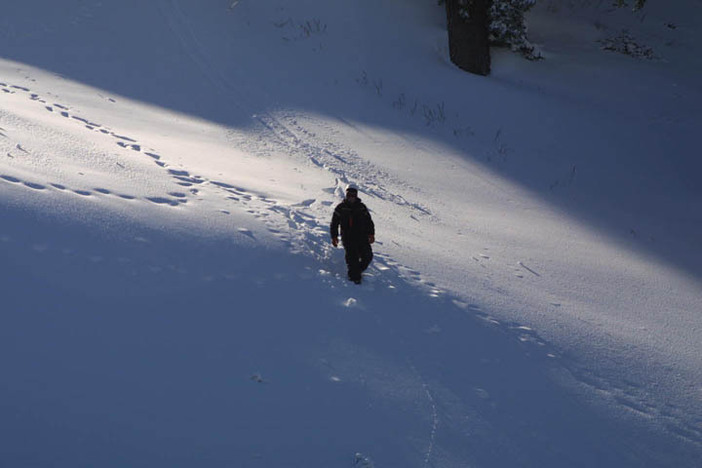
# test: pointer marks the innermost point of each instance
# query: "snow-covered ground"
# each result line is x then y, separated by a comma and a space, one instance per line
170, 297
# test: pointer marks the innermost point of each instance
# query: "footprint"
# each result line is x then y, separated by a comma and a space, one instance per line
132, 147
34, 186
8, 178
162, 201
223, 185
246, 232
103, 191
86, 121
186, 180
306, 203
122, 137
84, 193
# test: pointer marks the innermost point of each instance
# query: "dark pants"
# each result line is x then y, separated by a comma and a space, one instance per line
358, 256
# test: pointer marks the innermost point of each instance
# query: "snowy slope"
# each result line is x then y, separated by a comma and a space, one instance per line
170, 296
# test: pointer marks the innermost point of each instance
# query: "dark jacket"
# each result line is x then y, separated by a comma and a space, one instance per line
355, 222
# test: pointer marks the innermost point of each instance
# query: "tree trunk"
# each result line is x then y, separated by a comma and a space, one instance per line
468, 36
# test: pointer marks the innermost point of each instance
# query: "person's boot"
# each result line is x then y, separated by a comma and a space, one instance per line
355, 278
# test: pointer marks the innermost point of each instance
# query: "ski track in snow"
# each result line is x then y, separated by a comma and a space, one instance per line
434, 416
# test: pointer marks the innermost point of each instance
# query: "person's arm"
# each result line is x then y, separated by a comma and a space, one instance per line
371, 227
334, 228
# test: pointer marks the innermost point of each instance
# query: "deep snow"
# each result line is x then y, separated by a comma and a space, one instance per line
170, 296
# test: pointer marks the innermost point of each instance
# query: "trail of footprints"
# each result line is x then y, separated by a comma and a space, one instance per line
181, 177
302, 232
191, 184
294, 138
174, 199
293, 225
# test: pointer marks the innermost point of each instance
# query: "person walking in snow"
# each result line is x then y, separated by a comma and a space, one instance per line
357, 233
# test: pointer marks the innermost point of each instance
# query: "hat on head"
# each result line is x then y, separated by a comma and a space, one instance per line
351, 188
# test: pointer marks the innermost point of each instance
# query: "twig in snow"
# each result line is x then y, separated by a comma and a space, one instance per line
528, 269
378, 87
